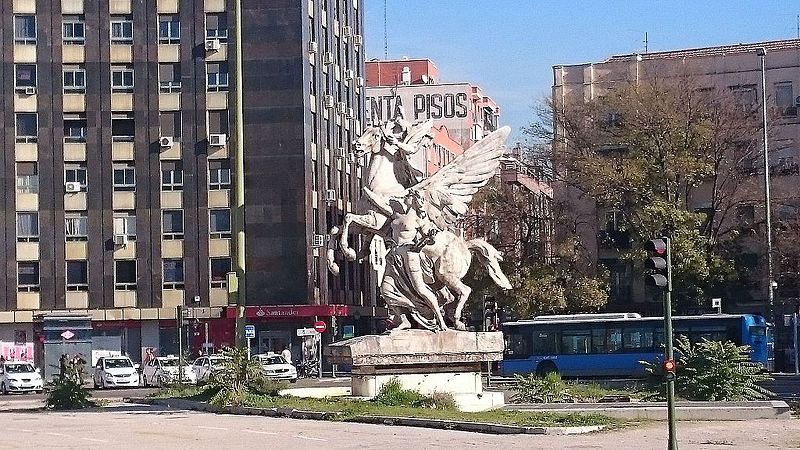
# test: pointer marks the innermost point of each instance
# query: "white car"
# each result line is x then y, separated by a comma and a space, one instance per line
20, 376
205, 366
275, 366
115, 371
164, 370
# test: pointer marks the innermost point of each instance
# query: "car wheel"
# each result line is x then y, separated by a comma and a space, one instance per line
293, 380
546, 367
102, 383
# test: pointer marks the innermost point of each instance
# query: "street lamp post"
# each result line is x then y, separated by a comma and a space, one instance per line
762, 54
239, 260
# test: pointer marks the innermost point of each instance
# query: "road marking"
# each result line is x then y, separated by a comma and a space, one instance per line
310, 438
94, 440
260, 432
212, 428
58, 434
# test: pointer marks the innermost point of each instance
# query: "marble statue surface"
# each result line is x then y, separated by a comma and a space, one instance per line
417, 220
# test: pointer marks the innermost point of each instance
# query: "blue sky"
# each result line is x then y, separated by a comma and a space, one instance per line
508, 47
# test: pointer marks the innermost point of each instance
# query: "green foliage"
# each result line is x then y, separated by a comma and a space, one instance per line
710, 371
393, 394
536, 389
237, 377
65, 392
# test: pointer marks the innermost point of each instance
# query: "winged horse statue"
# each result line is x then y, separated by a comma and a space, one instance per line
427, 257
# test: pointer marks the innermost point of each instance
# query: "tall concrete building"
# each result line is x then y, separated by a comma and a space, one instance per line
118, 166
732, 68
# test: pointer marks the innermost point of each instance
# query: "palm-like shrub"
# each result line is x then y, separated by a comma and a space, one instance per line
710, 371
66, 390
238, 377
535, 389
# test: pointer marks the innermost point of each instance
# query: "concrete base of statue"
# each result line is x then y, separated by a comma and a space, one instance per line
428, 362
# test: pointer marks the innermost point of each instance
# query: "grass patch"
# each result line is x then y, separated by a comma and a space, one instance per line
348, 409
593, 391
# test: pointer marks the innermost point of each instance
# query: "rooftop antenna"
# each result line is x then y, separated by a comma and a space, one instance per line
645, 41
797, 21
385, 33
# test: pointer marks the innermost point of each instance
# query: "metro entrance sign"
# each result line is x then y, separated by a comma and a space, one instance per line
320, 326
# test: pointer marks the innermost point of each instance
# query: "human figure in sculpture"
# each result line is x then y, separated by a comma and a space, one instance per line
409, 271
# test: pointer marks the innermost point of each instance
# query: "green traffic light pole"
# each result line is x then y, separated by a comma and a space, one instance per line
238, 222
673, 439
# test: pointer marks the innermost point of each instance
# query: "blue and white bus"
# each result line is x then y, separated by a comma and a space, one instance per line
611, 345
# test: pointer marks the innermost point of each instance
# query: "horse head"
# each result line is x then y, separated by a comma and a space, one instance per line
369, 142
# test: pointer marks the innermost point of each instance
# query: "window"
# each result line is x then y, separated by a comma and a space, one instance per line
27, 127
121, 30
25, 29
27, 178
74, 79
545, 342
172, 224
77, 276
170, 124
218, 122
575, 342
614, 339
219, 272
121, 78
125, 275
74, 128
75, 173
171, 175
219, 174
24, 76
169, 77
745, 95
123, 127
27, 227
125, 224
638, 339
518, 343
169, 29
74, 30
28, 276
217, 76
784, 97
173, 274
745, 215
217, 27
220, 223
76, 227
124, 177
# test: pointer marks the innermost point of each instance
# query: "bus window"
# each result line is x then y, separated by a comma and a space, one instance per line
575, 342
614, 340
599, 340
545, 342
518, 344
638, 338
708, 333
758, 330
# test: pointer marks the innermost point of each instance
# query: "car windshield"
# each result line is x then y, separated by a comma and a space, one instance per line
172, 362
272, 360
121, 363
217, 361
19, 368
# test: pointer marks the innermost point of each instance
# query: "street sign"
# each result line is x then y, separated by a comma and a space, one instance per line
348, 331
306, 332
250, 331
68, 335
320, 326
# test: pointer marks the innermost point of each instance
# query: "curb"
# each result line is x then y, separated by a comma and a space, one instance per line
475, 427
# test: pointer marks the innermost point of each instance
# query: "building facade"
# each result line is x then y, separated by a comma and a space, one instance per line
118, 118
732, 68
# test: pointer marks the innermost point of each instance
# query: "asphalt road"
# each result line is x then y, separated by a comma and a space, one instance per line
96, 393
138, 426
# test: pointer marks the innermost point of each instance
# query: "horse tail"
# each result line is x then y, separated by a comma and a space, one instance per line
330, 252
489, 258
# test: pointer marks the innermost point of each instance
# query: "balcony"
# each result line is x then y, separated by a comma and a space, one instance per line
614, 239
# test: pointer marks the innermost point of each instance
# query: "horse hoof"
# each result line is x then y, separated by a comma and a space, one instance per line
350, 254
459, 325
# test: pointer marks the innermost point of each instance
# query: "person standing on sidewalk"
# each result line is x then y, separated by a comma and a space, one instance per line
287, 354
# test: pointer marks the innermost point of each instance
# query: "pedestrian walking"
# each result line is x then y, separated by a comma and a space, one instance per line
287, 354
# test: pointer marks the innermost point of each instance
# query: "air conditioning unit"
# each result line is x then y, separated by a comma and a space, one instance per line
217, 140
360, 81
330, 195
341, 107
327, 58
213, 45
340, 152
350, 113
347, 31
319, 241
349, 74
166, 141
313, 47
30, 90
352, 158
120, 240
328, 102
72, 186
358, 40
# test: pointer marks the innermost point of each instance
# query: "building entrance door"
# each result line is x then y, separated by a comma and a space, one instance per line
273, 341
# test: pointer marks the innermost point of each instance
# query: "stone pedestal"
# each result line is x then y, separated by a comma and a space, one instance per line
424, 361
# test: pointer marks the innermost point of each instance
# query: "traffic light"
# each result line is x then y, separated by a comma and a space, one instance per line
670, 368
656, 262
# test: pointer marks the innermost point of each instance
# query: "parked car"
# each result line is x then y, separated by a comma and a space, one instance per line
20, 376
276, 367
206, 366
115, 371
164, 370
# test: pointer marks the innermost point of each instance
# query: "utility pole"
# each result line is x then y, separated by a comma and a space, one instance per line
238, 197
762, 54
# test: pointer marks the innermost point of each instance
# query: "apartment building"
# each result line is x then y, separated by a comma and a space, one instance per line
118, 170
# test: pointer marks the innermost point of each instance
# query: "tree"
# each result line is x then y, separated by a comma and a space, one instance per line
666, 156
